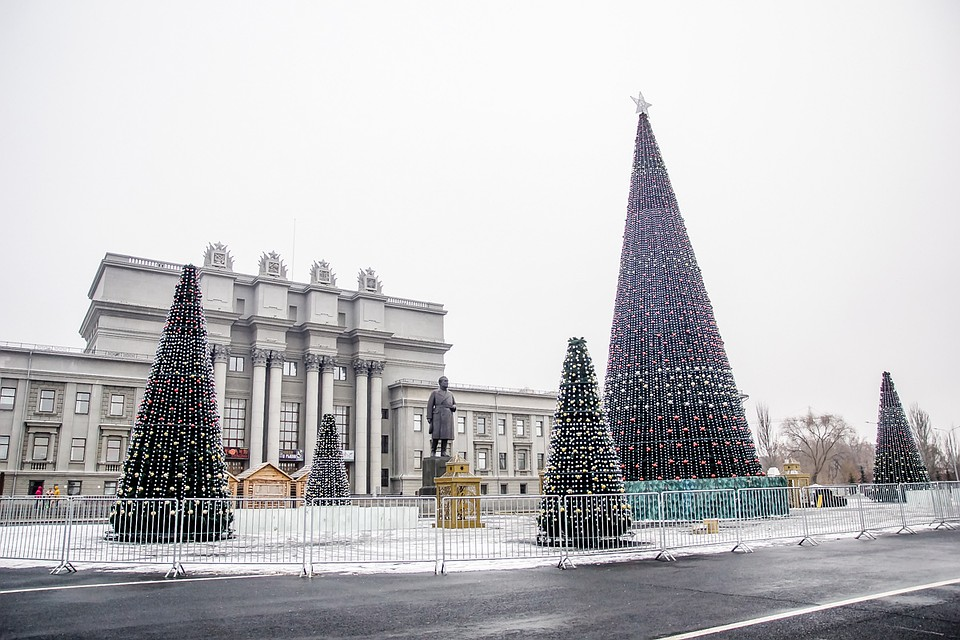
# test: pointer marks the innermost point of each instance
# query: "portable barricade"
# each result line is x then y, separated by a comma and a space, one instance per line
921, 505
370, 530
698, 518
33, 528
766, 514
609, 523
948, 496
831, 510
881, 507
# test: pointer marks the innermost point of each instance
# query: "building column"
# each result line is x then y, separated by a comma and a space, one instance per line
327, 363
220, 355
361, 463
312, 364
273, 408
376, 425
257, 394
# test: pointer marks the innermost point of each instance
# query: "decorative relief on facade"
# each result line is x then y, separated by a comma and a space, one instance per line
219, 353
321, 273
217, 256
276, 358
272, 266
311, 362
259, 357
360, 367
376, 368
367, 280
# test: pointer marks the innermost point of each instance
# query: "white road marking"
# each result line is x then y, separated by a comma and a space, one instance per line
806, 610
127, 584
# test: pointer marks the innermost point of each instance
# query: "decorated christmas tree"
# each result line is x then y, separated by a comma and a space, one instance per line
327, 482
175, 447
674, 409
898, 457
582, 481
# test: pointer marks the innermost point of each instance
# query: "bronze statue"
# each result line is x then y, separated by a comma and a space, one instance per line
440, 409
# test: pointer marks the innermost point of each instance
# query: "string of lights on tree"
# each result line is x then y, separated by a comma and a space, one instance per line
175, 446
674, 409
898, 457
582, 462
327, 483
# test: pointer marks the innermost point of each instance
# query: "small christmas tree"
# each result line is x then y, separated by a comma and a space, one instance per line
898, 458
175, 446
327, 483
582, 464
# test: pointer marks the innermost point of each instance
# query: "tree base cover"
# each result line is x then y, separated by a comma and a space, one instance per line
160, 521
713, 503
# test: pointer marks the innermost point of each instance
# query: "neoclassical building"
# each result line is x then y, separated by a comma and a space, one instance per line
284, 353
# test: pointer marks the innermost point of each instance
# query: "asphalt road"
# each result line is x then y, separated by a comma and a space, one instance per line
640, 599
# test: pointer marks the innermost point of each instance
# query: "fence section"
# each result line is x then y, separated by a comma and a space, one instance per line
33, 528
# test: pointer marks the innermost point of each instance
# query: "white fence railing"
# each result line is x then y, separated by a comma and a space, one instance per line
355, 531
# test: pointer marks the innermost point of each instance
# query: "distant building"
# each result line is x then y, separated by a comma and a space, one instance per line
284, 353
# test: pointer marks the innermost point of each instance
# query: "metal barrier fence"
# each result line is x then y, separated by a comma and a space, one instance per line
104, 530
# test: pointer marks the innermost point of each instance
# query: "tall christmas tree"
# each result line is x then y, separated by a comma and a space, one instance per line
327, 482
175, 447
582, 464
675, 411
898, 457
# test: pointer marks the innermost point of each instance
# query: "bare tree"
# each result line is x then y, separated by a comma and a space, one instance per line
816, 439
769, 448
923, 432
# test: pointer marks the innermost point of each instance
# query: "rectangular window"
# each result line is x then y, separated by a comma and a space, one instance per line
521, 427
417, 458
82, 405
384, 414
341, 415
523, 488
461, 424
522, 460
235, 364
234, 422
503, 488
483, 490
109, 487
73, 487
418, 422
340, 373
289, 426
481, 426
4, 447
47, 397
7, 395
290, 368
116, 404
77, 448
540, 461
502, 459
501, 426
114, 443
41, 446
539, 428
385, 478
384, 444
481, 460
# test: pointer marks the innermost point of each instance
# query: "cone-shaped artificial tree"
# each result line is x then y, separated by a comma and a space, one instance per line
898, 457
327, 482
674, 409
175, 446
582, 483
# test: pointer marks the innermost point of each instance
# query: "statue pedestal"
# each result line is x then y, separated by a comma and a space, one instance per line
431, 468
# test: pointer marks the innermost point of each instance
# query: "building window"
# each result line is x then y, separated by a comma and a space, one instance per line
73, 487
502, 459
114, 444
82, 405
523, 488
47, 398
501, 426
539, 428
483, 490
7, 395
385, 478
41, 446
235, 364
116, 404
290, 368
521, 427
540, 461
109, 487
289, 426
481, 460
417, 458
503, 488
461, 424
340, 373
481, 426
384, 444
341, 415
77, 448
4, 447
522, 461
234, 422
384, 414
418, 422
462, 454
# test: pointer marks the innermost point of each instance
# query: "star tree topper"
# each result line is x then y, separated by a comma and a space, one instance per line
642, 104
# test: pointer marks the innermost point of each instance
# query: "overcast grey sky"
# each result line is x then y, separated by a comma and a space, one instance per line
478, 155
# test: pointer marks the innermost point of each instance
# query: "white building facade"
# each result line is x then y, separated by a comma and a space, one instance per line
284, 353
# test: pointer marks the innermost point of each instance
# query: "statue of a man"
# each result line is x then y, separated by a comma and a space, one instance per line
440, 409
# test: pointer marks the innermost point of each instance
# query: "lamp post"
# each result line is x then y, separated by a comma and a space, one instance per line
951, 442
